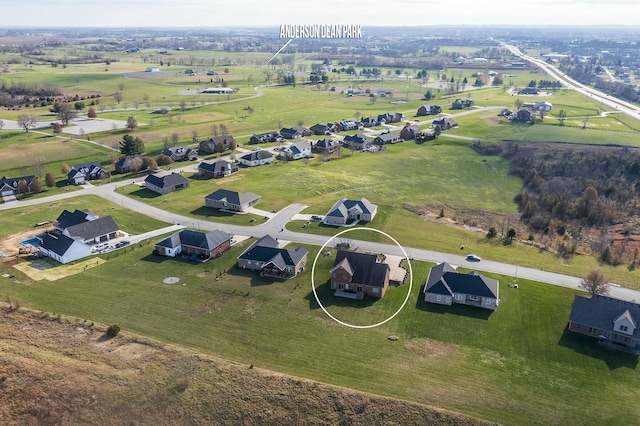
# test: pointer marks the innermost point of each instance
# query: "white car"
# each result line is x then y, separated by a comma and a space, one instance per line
473, 258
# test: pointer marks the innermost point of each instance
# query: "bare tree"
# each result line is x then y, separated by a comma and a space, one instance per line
174, 139
27, 121
562, 116
194, 135
66, 113
214, 130
595, 283
132, 123
117, 97
223, 130
183, 105
145, 96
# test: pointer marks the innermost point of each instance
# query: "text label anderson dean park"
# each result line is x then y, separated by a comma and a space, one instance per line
320, 31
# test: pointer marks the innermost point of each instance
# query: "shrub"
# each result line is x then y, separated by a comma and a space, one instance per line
113, 330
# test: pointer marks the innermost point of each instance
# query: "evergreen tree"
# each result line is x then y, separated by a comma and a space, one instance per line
131, 146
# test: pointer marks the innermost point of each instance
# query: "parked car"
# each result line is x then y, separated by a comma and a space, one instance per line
473, 258
122, 243
315, 218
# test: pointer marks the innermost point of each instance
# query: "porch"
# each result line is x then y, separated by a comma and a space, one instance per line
349, 295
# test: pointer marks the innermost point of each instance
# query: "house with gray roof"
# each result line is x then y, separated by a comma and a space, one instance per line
387, 138
93, 231
164, 184
202, 245
607, 319
213, 145
266, 256
325, 146
225, 199
357, 142
12, 186
82, 173
446, 286
345, 211
322, 128
63, 248
181, 153
128, 164
256, 158
296, 151
217, 169
445, 123
356, 274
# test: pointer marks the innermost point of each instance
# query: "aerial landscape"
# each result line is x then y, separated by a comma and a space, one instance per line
279, 218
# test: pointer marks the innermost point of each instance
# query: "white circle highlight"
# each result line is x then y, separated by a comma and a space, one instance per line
346, 324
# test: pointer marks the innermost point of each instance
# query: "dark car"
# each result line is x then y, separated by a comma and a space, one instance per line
122, 243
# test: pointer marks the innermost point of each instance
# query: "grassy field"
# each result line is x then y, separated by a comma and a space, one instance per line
520, 356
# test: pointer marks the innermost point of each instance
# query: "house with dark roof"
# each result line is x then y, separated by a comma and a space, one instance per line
194, 243
13, 186
372, 121
345, 211
224, 199
445, 123
266, 256
346, 125
124, 165
63, 248
391, 117
462, 103
93, 231
290, 133
265, 137
428, 110
357, 142
256, 158
213, 145
356, 274
217, 169
528, 91
86, 227
322, 128
325, 146
164, 184
411, 131
82, 173
446, 286
296, 151
607, 319
522, 115
181, 153
387, 138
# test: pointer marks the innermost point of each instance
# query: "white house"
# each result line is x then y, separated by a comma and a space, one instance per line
296, 151
256, 158
62, 248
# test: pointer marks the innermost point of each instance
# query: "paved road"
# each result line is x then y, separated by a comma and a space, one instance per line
276, 226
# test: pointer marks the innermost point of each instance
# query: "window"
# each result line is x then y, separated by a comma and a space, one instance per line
458, 297
438, 298
489, 302
592, 330
578, 326
376, 290
344, 276
448, 299
624, 328
334, 275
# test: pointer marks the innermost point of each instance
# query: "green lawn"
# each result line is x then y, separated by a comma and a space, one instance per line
525, 368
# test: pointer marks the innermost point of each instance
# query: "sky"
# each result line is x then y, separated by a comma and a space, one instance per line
241, 13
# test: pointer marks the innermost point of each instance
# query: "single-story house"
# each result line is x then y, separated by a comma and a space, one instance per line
322, 128
256, 158
12, 186
428, 110
265, 137
445, 123
296, 151
344, 211
265, 256
213, 145
187, 242
411, 131
181, 153
356, 274
231, 200
446, 286
606, 318
325, 146
62, 248
357, 142
290, 133
346, 125
218, 90
124, 164
166, 183
462, 103
522, 115
217, 169
505, 113
82, 173
387, 137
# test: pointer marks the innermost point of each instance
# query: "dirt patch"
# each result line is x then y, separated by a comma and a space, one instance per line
428, 348
10, 244
45, 268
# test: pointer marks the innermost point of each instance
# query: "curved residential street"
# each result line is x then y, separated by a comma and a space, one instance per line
276, 226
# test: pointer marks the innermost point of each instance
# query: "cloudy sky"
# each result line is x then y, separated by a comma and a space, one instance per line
212, 13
